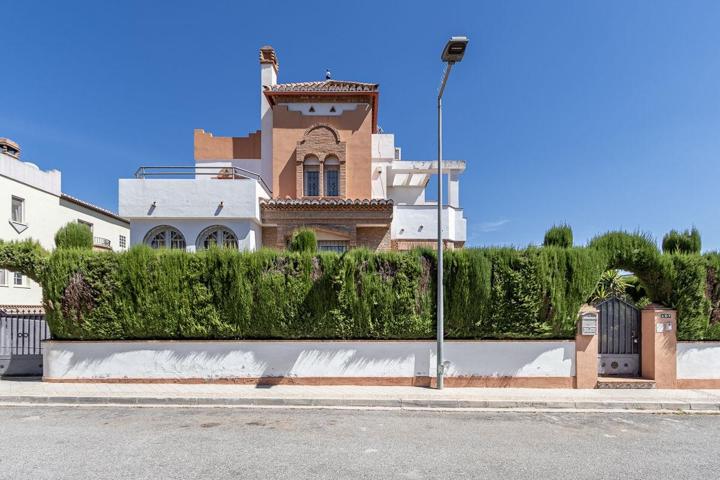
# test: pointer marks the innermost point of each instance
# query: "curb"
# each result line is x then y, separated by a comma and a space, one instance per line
392, 403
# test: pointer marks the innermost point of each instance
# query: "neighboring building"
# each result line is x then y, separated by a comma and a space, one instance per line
36, 208
318, 161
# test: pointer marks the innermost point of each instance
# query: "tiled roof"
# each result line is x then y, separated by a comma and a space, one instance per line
22, 309
324, 202
335, 86
85, 204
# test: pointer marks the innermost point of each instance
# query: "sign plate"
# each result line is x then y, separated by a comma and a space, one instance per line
588, 324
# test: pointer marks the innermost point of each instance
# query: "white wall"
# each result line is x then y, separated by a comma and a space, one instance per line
247, 359
248, 232
699, 360
407, 195
419, 222
383, 146
30, 174
45, 213
188, 198
321, 109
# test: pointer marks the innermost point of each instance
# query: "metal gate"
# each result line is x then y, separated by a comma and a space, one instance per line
21, 334
618, 338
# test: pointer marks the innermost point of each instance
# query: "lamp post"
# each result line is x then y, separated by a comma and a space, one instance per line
452, 53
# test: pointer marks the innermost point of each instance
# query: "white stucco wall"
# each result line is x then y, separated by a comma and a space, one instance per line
45, 213
383, 146
188, 198
248, 232
30, 174
320, 109
247, 359
419, 222
407, 195
698, 360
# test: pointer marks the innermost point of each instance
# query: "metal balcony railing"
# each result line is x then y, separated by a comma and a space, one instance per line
221, 173
101, 242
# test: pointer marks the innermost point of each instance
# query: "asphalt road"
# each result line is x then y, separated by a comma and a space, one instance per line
192, 443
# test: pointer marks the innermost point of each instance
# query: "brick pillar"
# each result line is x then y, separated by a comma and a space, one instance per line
658, 345
586, 350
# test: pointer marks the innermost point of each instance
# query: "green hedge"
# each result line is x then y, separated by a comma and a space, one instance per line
688, 241
559, 236
224, 294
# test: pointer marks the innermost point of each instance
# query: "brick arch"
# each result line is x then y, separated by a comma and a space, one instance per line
322, 141
322, 132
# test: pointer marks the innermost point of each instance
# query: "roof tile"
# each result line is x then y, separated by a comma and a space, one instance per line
337, 86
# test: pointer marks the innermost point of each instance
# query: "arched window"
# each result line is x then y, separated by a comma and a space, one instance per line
311, 176
217, 236
165, 236
331, 171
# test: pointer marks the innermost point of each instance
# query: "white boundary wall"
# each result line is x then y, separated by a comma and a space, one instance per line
698, 360
254, 359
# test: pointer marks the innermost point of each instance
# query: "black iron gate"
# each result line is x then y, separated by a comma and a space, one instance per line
618, 338
22, 331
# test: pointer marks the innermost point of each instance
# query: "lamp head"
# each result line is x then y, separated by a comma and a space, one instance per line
454, 49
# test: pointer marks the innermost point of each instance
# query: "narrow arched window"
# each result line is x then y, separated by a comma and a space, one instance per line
217, 236
165, 236
311, 176
331, 171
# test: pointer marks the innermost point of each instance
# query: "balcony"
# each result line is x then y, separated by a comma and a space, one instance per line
101, 243
192, 192
419, 222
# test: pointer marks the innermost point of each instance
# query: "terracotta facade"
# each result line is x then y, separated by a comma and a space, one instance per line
295, 136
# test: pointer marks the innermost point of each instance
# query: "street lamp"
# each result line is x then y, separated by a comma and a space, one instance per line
452, 53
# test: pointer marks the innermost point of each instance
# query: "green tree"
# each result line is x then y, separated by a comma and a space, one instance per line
74, 235
559, 236
303, 241
688, 241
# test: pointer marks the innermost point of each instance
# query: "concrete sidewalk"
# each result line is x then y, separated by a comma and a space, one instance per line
14, 391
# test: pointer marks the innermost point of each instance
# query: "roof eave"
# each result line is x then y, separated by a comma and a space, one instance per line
374, 97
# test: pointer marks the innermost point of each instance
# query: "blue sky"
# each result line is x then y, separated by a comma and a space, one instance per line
604, 115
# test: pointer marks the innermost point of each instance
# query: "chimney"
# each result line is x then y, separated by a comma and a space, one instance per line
9, 147
269, 66
268, 77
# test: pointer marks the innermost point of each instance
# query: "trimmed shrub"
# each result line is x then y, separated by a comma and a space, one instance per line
74, 235
26, 257
559, 236
638, 253
226, 294
303, 240
688, 241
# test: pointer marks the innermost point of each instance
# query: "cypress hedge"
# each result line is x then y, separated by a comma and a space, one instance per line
304, 240
559, 236
74, 235
688, 241
225, 294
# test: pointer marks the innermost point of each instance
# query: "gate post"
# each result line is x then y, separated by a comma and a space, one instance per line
586, 348
658, 347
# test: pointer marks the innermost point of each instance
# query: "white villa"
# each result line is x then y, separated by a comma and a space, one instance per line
36, 208
318, 161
